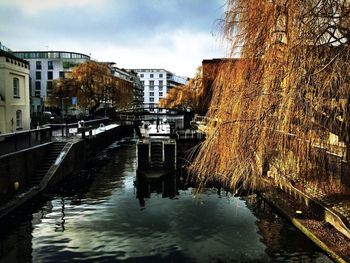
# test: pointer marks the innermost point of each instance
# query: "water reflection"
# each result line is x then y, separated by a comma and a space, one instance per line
16, 243
275, 231
60, 223
98, 218
166, 186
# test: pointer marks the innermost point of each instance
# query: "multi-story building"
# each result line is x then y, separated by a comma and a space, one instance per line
14, 93
157, 82
132, 77
138, 89
45, 66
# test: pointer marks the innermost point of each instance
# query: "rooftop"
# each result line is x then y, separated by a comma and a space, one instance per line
12, 56
50, 55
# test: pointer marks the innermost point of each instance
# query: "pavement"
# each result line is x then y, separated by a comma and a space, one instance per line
338, 202
331, 241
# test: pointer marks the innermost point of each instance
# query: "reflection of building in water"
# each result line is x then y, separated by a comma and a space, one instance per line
16, 242
16, 235
165, 185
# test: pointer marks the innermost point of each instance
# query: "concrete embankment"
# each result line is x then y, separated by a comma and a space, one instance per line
19, 169
311, 221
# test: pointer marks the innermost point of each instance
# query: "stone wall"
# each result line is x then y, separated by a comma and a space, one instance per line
19, 167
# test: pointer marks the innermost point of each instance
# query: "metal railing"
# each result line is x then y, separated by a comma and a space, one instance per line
71, 129
189, 134
132, 119
12, 142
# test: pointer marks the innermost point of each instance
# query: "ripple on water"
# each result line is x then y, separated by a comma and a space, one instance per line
105, 223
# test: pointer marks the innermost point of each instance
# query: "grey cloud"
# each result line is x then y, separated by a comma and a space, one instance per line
131, 26
124, 21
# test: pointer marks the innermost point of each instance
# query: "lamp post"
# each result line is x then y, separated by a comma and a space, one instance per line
66, 106
62, 105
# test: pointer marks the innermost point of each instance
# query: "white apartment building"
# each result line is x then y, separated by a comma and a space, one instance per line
45, 66
14, 93
157, 82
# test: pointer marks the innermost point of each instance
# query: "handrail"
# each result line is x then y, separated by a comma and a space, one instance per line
22, 132
13, 142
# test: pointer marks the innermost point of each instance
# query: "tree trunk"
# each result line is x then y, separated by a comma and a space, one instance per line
94, 108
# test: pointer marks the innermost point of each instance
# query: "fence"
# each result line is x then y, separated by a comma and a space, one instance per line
17, 141
13, 142
132, 119
69, 130
189, 134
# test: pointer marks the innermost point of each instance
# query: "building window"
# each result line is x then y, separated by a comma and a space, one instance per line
160, 94
61, 74
151, 83
141, 75
151, 93
37, 85
50, 64
151, 88
38, 65
49, 86
38, 74
50, 75
161, 84
18, 119
160, 75
151, 99
151, 75
37, 94
16, 88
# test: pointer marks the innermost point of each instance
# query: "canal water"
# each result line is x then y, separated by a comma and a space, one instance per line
106, 215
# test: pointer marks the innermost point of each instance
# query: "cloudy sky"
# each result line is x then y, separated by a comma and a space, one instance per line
172, 34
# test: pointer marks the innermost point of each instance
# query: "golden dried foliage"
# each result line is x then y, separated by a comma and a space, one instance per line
92, 83
286, 93
192, 95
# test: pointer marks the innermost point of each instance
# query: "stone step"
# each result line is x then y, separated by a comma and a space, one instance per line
46, 164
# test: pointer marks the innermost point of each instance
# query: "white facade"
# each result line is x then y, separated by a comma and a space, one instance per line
46, 66
157, 82
14, 94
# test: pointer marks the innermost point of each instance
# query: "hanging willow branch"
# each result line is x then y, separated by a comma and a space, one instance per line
292, 77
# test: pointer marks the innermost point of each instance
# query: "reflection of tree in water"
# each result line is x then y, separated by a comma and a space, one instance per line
274, 229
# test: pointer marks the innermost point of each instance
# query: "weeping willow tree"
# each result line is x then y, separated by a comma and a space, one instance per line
192, 95
288, 91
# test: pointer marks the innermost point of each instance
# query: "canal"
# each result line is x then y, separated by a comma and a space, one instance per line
103, 215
